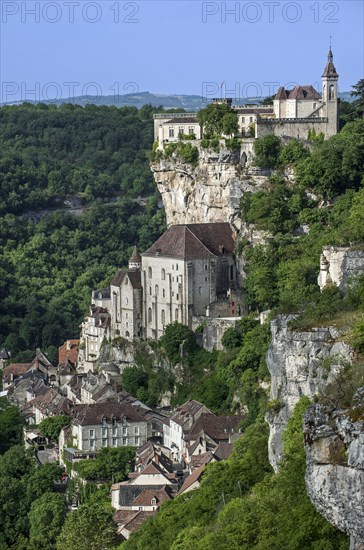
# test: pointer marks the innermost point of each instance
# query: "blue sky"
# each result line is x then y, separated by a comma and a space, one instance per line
69, 47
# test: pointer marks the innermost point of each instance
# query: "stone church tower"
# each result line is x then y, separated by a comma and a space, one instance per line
330, 95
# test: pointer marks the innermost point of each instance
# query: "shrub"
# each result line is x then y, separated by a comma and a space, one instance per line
267, 150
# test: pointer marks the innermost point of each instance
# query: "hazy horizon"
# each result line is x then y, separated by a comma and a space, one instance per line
60, 49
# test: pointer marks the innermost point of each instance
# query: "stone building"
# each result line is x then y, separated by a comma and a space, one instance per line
126, 300
293, 113
115, 311
188, 268
108, 424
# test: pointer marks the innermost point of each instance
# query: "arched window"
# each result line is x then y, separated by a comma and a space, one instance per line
156, 290
176, 314
163, 274
164, 293
126, 281
149, 315
150, 272
332, 92
163, 317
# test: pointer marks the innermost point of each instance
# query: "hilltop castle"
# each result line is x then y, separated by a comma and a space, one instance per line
293, 113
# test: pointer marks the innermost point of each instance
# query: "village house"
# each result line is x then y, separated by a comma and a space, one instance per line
174, 431
49, 403
108, 424
143, 493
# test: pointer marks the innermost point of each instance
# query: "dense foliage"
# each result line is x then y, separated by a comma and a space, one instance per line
22, 486
218, 119
50, 260
283, 272
111, 465
51, 426
11, 425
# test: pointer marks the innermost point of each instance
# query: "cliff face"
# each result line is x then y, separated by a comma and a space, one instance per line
334, 446
295, 364
209, 192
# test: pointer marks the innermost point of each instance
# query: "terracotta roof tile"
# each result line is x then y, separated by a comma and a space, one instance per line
15, 370
68, 350
217, 427
145, 498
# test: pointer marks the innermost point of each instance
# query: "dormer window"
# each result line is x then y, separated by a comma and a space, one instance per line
104, 422
153, 502
113, 422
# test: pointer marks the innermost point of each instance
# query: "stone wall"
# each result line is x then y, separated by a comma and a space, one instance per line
295, 363
334, 446
214, 330
289, 127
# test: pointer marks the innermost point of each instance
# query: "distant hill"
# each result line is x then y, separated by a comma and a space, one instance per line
187, 102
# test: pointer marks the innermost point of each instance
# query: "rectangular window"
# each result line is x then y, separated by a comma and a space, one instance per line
92, 434
190, 131
104, 442
171, 132
92, 444
114, 442
137, 441
104, 432
180, 130
251, 119
115, 431
125, 430
243, 119
137, 430
125, 440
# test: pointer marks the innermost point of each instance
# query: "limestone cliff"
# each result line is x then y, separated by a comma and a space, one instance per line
295, 364
334, 443
211, 190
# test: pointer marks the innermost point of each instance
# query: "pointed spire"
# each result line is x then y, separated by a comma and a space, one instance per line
330, 70
135, 261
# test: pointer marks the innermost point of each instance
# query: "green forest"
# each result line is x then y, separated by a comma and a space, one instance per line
50, 258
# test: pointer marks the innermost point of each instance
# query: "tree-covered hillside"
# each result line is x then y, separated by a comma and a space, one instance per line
241, 504
50, 258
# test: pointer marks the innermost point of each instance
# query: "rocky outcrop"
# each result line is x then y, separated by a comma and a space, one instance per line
339, 265
295, 363
334, 443
210, 191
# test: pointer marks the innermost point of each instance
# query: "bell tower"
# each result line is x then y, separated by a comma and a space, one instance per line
330, 95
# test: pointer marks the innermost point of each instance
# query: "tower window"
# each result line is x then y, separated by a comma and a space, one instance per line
150, 273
